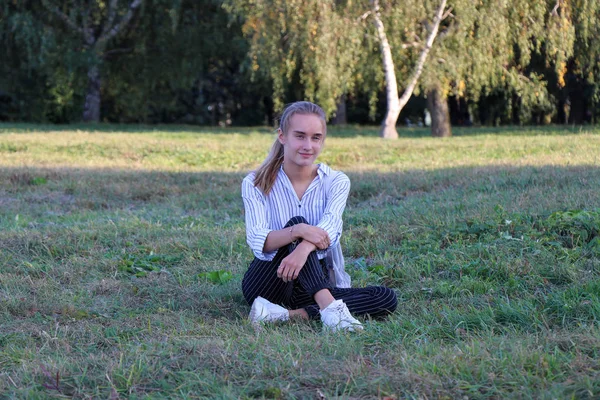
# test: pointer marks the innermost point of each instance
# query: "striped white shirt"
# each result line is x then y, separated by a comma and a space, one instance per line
268, 213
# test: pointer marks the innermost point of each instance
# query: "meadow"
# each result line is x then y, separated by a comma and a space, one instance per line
122, 251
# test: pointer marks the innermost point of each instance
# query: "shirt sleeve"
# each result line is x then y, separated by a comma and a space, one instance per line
257, 226
331, 221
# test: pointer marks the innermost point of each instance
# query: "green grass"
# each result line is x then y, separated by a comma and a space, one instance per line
108, 234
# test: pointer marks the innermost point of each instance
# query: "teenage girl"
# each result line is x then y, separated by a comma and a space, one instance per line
293, 211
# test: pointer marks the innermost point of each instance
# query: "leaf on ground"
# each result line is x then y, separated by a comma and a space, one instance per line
219, 277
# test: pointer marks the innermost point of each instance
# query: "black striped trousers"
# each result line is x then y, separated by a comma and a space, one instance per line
261, 280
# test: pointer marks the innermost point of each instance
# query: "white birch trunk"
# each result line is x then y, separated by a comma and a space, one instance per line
394, 103
388, 126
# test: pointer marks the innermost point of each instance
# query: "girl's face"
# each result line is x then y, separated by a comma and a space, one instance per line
303, 141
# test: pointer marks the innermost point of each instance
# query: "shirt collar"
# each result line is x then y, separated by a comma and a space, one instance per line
323, 169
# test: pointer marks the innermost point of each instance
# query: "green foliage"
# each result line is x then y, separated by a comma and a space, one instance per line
574, 228
185, 65
181, 62
38, 180
218, 62
140, 265
312, 47
500, 52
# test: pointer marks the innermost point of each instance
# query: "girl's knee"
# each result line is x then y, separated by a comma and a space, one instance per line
393, 300
388, 298
297, 220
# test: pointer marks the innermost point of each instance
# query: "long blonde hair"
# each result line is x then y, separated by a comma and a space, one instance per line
266, 174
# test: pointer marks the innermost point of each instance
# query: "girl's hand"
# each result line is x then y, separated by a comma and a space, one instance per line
291, 265
317, 236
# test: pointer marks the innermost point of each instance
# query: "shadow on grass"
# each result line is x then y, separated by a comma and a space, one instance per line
519, 188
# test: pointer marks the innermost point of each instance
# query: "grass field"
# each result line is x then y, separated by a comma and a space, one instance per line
112, 237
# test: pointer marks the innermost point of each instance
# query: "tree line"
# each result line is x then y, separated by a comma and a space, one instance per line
237, 62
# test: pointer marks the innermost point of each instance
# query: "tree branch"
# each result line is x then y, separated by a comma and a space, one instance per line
54, 9
112, 12
520, 75
554, 12
421, 62
413, 44
388, 63
88, 31
114, 52
447, 13
364, 16
113, 31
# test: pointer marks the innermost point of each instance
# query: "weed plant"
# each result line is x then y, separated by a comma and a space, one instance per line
122, 250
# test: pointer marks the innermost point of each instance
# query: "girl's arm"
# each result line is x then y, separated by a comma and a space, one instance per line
257, 227
292, 264
331, 221
280, 238
316, 236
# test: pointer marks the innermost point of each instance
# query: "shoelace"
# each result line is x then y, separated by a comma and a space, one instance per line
339, 308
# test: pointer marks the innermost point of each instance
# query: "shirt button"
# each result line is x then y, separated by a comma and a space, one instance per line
299, 205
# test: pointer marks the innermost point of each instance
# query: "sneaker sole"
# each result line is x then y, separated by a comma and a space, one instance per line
352, 328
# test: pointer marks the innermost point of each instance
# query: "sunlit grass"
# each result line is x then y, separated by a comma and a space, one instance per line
242, 150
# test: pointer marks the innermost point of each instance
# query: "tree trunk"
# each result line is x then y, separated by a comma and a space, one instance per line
578, 108
516, 106
388, 126
341, 116
440, 117
91, 108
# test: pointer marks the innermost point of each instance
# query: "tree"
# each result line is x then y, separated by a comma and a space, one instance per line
488, 46
395, 103
52, 41
574, 80
306, 48
320, 47
186, 64
185, 61
482, 47
182, 61
95, 24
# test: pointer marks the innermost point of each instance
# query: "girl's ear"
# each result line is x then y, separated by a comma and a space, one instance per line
280, 136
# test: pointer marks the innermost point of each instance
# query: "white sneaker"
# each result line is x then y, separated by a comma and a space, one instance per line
264, 311
336, 316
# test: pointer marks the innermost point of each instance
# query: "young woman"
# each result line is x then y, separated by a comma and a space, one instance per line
293, 226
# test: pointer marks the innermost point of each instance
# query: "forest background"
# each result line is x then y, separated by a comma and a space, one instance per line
236, 62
